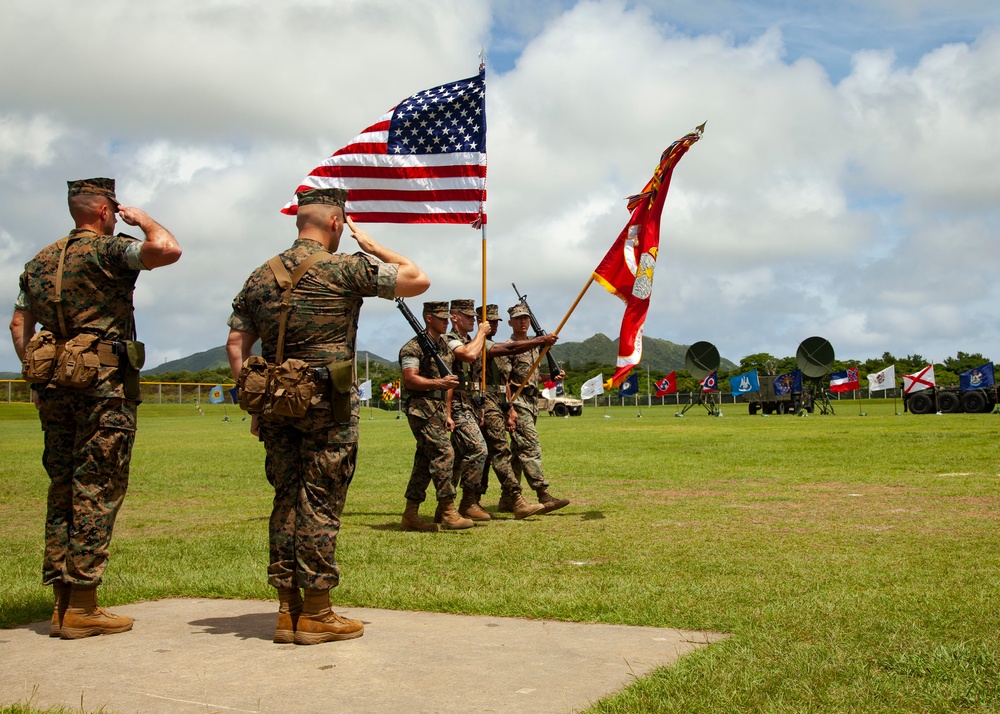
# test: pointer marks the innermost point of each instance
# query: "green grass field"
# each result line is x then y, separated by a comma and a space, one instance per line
853, 559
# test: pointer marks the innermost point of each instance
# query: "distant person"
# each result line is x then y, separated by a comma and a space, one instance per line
84, 368
428, 411
312, 445
525, 447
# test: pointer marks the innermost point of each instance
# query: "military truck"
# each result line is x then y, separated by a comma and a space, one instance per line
767, 402
950, 400
561, 406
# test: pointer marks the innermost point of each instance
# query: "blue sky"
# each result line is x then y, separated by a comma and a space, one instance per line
846, 185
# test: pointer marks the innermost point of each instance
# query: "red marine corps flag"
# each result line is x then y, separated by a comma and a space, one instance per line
627, 269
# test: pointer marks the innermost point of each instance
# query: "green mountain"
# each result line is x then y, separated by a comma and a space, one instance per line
658, 355
216, 358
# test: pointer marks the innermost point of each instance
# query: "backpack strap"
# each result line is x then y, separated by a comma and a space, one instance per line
287, 283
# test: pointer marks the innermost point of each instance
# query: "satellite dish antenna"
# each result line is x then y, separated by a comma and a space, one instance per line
701, 359
815, 357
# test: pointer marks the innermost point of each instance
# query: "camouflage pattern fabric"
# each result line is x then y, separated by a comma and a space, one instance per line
310, 469
494, 430
88, 432
526, 450
88, 447
466, 439
310, 460
427, 414
99, 278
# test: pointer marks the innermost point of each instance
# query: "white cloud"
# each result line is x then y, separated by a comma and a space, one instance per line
818, 202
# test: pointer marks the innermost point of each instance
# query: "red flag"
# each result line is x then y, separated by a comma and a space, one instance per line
667, 385
627, 269
424, 161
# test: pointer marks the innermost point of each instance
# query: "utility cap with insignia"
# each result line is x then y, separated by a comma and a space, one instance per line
437, 308
465, 307
327, 196
94, 187
518, 310
492, 312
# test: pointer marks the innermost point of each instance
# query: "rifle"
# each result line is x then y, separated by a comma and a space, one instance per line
426, 346
553, 365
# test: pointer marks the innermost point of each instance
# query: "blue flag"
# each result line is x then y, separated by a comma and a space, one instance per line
977, 377
788, 383
744, 383
630, 386
216, 395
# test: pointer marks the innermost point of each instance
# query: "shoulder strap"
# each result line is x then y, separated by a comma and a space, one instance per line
287, 283
62, 243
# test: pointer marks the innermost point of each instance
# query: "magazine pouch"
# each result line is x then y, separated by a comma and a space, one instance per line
252, 384
341, 381
79, 364
39, 358
130, 361
292, 389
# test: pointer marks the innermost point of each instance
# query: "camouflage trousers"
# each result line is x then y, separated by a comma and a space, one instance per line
434, 459
494, 432
310, 470
469, 446
526, 451
88, 447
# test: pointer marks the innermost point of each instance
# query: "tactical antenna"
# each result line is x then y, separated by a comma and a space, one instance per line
700, 360
815, 359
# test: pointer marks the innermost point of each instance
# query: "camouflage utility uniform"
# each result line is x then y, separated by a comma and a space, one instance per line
88, 432
311, 459
427, 414
494, 428
525, 446
466, 438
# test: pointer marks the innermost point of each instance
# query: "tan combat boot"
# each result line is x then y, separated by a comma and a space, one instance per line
470, 509
289, 609
437, 512
83, 618
413, 522
506, 504
318, 623
523, 509
450, 519
550, 502
60, 592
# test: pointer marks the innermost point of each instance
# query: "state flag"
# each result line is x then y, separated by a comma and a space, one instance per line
667, 385
977, 378
845, 381
744, 383
788, 383
630, 386
924, 379
884, 379
592, 387
708, 384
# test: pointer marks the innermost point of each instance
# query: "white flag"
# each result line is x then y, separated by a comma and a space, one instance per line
365, 390
592, 387
548, 393
924, 379
886, 379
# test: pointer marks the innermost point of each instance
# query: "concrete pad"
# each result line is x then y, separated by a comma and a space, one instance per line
186, 655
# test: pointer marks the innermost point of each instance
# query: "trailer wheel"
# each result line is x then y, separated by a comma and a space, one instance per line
948, 402
974, 402
920, 403
560, 409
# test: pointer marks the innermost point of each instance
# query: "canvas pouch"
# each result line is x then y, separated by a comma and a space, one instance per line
130, 362
292, 388
253, 383
39, 358
79, 364
341, 381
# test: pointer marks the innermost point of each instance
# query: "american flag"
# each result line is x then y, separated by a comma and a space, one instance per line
424, 161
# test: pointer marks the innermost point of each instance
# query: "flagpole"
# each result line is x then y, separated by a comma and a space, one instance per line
484, 324
545, 350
